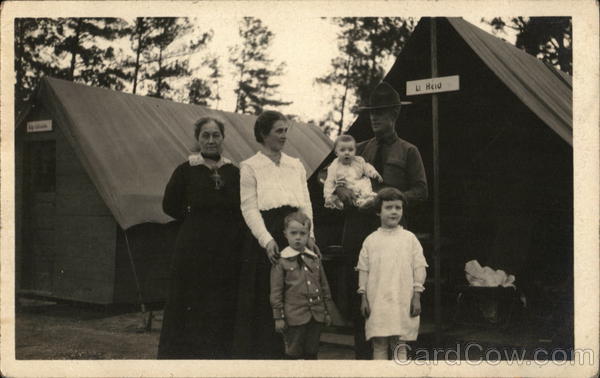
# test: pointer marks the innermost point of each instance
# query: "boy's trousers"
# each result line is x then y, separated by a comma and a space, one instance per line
303, 341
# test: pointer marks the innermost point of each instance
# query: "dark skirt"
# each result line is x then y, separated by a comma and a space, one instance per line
200, 310
255, 336
357, 226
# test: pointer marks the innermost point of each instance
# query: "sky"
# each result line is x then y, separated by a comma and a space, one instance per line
306, 45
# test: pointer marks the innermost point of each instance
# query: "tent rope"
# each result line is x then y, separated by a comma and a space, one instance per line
137, 283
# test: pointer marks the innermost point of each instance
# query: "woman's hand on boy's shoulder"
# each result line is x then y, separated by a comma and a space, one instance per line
272, 251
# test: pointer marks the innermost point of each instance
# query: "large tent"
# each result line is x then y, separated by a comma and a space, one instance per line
544, 90
505, 155
90, 225
129, 144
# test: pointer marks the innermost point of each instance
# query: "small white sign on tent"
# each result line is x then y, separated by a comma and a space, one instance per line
39, 126
432, 85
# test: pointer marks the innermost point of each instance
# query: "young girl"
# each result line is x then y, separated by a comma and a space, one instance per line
350, 171
391, 269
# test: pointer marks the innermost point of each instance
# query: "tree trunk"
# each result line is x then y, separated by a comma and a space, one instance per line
344, 96
19, 50
374, 53
138, 52
73, 51
563, 60
19, 65
159, 74
239, 94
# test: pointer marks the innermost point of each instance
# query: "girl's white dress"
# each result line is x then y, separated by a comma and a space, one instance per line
390, 257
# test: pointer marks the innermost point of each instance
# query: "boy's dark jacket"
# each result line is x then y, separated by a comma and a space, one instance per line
299, 290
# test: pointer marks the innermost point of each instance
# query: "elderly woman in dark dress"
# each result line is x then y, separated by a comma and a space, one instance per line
204, 194
272, 185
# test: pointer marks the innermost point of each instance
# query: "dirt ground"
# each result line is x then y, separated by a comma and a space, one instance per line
60, 331
47, 330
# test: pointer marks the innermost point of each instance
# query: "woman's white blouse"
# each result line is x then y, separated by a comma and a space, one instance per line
265, 185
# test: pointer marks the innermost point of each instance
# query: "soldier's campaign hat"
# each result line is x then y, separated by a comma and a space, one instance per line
383, 96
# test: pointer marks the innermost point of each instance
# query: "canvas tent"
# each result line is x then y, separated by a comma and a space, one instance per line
130, 144
506, 155
102, 169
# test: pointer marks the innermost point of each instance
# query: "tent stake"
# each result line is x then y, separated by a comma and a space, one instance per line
436, 190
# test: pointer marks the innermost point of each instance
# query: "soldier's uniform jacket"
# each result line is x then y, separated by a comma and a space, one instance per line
299, 288
402, 166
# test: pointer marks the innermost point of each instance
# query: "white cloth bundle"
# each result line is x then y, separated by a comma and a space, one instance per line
486, 276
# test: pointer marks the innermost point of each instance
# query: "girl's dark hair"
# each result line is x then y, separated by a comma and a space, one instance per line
203, 121
388, 194
264, 123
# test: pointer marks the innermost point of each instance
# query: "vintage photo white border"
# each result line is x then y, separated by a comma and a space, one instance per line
584, 15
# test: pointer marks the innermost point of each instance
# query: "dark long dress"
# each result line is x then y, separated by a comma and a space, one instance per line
255, 336
200, 311
357, 226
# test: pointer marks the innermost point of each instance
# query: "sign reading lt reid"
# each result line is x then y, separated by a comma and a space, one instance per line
433, 85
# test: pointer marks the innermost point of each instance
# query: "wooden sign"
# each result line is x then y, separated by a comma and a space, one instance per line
39, 126
433, 85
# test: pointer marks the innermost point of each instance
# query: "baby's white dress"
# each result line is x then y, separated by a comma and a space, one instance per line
357, 178
390, 257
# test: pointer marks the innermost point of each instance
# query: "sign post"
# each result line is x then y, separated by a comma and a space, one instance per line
436, 189
433, 86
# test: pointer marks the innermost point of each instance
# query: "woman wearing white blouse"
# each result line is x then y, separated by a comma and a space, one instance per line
272, 185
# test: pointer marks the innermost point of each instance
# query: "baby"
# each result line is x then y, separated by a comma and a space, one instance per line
350, 171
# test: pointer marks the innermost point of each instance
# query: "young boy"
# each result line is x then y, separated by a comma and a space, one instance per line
300, 294
350, 171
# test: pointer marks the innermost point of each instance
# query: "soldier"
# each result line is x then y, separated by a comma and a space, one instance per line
400, 164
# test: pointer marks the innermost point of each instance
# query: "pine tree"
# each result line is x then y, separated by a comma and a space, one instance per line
212, 63
205, 91
140, 37
80, 40
34, 57
365, 44
547, 38
167, 29
256, 88
198, 92
163, 61
341, 77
